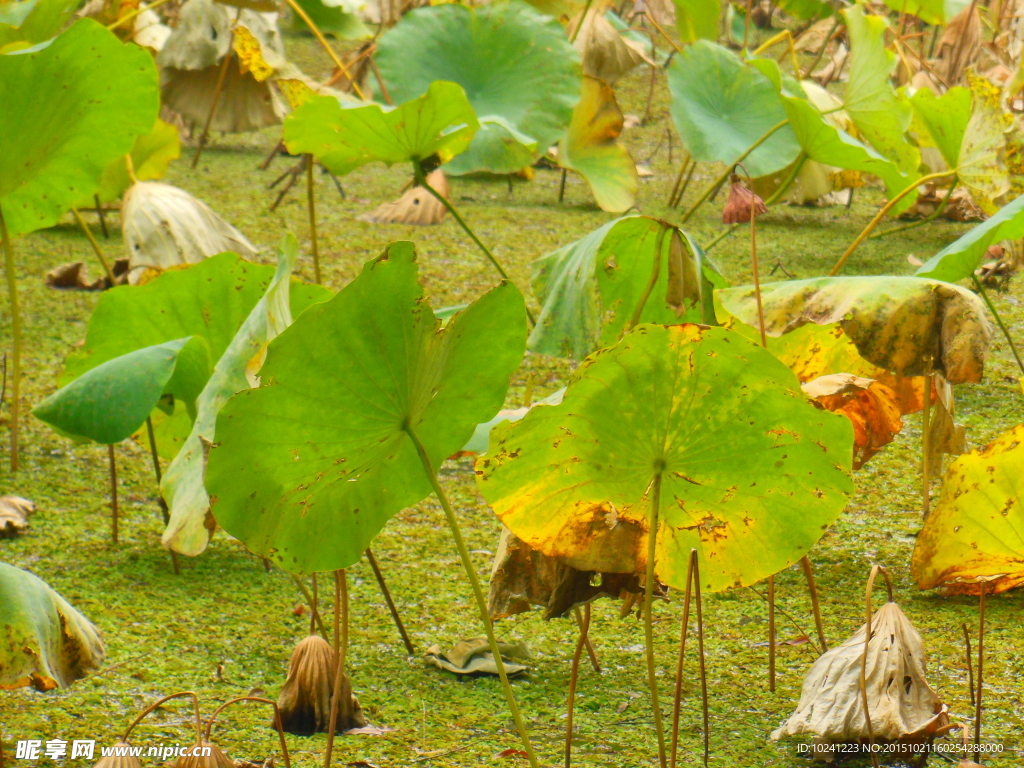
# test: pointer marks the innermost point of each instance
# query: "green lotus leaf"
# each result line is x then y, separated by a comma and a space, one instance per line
439, 122
907, 325
44, 641
513, 63
750, 473
111, 401
338, 17
881, 115
99, 94
697, 19
590, 289
590, 147
982, 165
807, 9
151, 154
958, 260
32, 21
722, 107
975, 533
236, 370
934, 12
311, 465
945, 120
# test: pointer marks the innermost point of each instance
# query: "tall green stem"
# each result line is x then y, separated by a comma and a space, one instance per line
652, 546
926, 220
999, 320
421, 179
311, 205
95, 245
12, 292
478, 593
722, 179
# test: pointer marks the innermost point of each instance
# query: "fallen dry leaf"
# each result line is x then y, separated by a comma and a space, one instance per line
14, 512
75, 275
415, 206
474, 656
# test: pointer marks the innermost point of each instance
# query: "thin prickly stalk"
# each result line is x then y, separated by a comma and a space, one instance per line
12, 293
771, 633
392, 608
999, 320
881, 215
594, 663
812, 588
677, 699
113, 492
165, 513
970, 662
99, 215
95, 245
311, 205
652, 548
981, 663
584, 629
478, 593
340, 644
216, 96
316, 621
421, 180
695, 568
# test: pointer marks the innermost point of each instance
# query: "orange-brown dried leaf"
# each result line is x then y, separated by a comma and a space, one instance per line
872, 408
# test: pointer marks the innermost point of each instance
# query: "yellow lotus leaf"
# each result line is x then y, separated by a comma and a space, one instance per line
975, 533
250, 53
982, 164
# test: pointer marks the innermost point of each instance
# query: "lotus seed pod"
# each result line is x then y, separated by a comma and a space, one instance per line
741, 203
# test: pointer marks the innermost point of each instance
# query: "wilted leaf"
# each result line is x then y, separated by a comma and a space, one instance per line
945, 436
440, 122
474, 656
982, 163
721, 106
831, 701
250, 53
108, 403
164, 227
607, 54
872, 408
742, 457
959, 45
906, 325
99, 95
44, 642
189, 529
589, 290
415, 206
311, 465
591, 147
975, 533
14, 512
517, 67
880, 114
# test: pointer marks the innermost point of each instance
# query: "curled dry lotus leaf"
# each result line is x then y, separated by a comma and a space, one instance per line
305, 700
415, 206
590, 146
14, 512
959, 45
190, 64
518, 69
751, 474
907, 325
607, 55
473, 656
164, 226
522, 578
872, 408
590, 289
44, 641
975, 533
901, 703
119, 761
311, 465
99, 95
945, 436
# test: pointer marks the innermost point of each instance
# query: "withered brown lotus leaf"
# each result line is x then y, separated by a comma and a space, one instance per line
522, 578
902, 704
14, 512
960, 44
119, 761
473, 656
216, 758
742, 203
305, 700
415, 206
872, 408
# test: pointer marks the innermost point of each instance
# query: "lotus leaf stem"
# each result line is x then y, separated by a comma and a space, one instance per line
311, 205
821, 53
981, 662
583, 17
812, 588
584, 628
700, 655
652, 547
12, 293
926, 497
970, 663
478, 593
113, 492
655, 271
882, 214
421, 180
392, 608
340, 646
927, 220
999, 320
315, 617
99, 213
218, 88
722, 179
197, 720
278, 724
301, 13
677, 699
594, 663
95, 245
